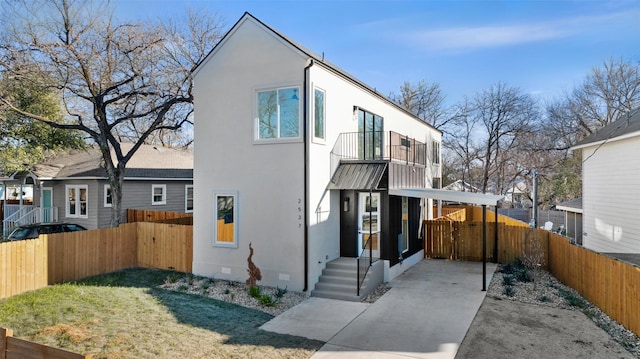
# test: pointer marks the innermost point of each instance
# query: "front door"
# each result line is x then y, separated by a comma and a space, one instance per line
369, 224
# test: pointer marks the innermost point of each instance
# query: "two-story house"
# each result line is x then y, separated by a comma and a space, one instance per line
304, 162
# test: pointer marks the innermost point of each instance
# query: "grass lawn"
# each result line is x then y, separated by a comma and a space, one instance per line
125, 315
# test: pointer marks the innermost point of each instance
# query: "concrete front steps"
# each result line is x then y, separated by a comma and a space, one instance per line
339, 280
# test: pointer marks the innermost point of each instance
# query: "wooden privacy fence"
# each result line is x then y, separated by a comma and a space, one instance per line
140, 215
608, 283
463, 241
14, 348
50, 259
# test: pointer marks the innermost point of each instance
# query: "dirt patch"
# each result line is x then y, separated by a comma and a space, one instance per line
508, 329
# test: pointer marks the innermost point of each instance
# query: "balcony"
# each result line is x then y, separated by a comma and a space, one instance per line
405, 159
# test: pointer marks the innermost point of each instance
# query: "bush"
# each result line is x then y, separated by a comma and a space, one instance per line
509, 291
266, 300
255, 292
280, 292
172, 277
544, 298
573, 299
525, 275
508, 279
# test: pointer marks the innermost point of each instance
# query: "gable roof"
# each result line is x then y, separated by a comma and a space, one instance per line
315, 58
618, 130
149, 161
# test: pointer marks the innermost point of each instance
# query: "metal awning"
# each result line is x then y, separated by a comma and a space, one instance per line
354, 176
446, 195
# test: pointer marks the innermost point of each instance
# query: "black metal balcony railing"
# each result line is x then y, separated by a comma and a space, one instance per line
378, 145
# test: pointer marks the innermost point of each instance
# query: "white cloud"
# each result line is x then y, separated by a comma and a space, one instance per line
469, 38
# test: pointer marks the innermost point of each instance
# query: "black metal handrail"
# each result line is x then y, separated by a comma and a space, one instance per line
364, 263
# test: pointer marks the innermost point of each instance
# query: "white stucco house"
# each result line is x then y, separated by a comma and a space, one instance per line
306, 163
610, 193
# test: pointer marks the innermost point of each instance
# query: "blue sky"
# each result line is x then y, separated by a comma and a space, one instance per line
542, 47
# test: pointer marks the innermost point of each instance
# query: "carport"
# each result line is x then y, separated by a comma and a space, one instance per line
481, 199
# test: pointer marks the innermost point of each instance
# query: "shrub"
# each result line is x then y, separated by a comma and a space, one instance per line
183, 287
525, 275
544, 298
266, 300
254, 292
508, 279
172, 277
509, 290
280, 292
573, 299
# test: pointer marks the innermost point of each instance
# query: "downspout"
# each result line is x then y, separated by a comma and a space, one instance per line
305, 115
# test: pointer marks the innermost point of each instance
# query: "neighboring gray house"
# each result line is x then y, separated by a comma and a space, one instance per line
73, 187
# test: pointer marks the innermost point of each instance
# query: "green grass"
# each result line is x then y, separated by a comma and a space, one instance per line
125, 315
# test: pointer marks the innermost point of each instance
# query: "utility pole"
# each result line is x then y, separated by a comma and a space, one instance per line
534, 172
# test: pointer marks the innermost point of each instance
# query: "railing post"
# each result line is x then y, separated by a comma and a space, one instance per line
358, 277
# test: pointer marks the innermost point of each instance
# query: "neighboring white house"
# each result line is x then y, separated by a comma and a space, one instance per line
610, 193
297, 157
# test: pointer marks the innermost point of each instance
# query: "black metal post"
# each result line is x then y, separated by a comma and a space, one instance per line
484, 247
495, 238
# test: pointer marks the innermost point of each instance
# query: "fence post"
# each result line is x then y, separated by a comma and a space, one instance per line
4, 333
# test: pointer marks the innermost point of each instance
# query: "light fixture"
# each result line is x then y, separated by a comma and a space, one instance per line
346, 205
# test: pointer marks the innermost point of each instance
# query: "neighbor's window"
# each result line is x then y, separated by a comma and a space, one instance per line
188, 198
158, 194
76, 201
436, 152
225, 219
108, 201
278, 113
318, 114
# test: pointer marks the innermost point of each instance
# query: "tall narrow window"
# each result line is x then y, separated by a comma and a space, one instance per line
158, 194
108, 201
188, 198
318, 114
278, 113
404, 243
436, 152
225, 219
369, 135
76, 201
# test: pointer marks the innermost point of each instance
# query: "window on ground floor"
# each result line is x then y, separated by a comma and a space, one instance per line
225, 219
188, 198
404, 243
76, 202
158, 194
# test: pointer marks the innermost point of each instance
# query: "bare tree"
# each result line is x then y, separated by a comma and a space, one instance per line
424, 100
507, 116
117, 80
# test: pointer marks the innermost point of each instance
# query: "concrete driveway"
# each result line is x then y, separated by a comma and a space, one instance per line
425, 314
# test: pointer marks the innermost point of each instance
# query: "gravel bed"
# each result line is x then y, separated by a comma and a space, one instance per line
546, 290
235, 292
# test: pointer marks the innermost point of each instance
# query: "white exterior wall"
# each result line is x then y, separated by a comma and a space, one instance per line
268, 178
341, 96
611, 197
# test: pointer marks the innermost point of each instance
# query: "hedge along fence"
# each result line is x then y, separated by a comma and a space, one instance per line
50, 259
608, 283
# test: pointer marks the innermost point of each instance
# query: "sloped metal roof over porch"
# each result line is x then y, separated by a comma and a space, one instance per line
355, 176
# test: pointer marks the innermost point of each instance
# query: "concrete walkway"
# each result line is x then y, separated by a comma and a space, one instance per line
425, 314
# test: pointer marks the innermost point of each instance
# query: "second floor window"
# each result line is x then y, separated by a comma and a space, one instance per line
318, 114
436, 152
278, 113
